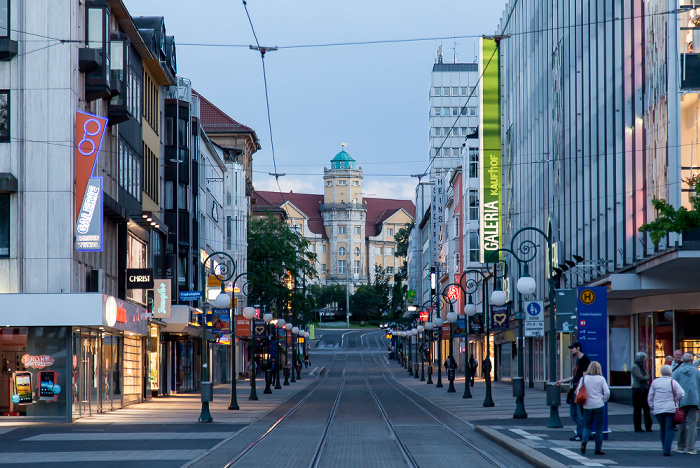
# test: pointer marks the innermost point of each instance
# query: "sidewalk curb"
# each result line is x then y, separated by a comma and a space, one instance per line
518, 448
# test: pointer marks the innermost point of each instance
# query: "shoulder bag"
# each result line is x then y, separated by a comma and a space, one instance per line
679, 415
581, 396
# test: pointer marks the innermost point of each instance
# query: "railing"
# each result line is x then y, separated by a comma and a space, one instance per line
343, 206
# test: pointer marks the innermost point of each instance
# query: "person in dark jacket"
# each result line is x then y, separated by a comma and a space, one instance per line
640, 392
688, 376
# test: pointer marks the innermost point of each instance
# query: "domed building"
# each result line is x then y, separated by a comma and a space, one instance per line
350, 234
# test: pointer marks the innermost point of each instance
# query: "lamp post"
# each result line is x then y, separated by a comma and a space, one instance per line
294, 359
409, 334
295, 334
222, 301
233, 403
469, 311
414, 332
249, 313
438, 323
288, 328
421, 329
267, 318
451, 318
429, 326
280, 325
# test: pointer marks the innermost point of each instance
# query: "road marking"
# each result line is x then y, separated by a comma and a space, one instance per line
97, 456
313, 371
130, 436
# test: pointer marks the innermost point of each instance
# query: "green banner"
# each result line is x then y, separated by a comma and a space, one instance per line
490, 149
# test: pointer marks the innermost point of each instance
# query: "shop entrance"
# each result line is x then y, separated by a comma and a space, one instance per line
11, 372
89, 369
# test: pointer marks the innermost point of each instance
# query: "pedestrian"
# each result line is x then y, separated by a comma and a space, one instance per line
677, 360
580, 366
597, 393
640, 392
473, 365
307, 361
669, 360
273, 371
664, 395
688, 376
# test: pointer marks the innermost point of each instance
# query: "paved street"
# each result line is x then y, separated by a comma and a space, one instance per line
352, 407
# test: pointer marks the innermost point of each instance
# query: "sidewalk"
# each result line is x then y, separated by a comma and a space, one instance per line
531, 439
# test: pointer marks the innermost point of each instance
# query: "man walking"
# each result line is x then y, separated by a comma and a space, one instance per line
472, 369
688, 376
580, 366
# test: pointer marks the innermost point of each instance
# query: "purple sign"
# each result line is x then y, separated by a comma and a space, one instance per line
499, 317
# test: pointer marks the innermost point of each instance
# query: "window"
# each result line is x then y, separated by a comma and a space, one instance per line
341, 251
329, 183
389, 251
5, 115
436, 91
445, 91
464, 111
312, 247
357, 251
342, 230
437, 131
455, 91
342, 182
473, 162
355, 183
129, 170
341, 267
447, 152
463, 131
455, 111
446, 111
455, 152
472, 111
463, 91
4, 18
473, 246
323, 268
356, 267
436, 111
390, 232
4, 224
389, 270
473, 204
378, 251
357, 230
323, 248
446, 131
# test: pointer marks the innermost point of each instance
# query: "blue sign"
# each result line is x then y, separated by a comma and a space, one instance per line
186, 296
459, 328
592, 330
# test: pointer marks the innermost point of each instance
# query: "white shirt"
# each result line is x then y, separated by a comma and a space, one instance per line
597, 391
661, 397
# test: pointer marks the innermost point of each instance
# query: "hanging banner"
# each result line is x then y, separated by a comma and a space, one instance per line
437, 218
260, 329
459, 328
89, 133
499, 318
476, 324
489, 149
161, 299
242, 327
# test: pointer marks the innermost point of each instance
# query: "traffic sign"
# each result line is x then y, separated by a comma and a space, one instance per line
534, 311
533, 328
190, 295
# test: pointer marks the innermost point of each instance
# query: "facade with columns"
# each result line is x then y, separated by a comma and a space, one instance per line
350, 234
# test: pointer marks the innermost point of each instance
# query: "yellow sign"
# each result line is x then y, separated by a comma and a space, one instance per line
587, 296
389, 336
213, 281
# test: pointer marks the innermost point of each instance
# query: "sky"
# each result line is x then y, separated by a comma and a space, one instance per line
374, 97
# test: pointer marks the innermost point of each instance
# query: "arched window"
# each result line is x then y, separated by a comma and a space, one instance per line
341, 251
357, 251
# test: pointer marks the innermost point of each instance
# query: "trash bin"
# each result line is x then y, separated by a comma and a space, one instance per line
553, 394
207, 392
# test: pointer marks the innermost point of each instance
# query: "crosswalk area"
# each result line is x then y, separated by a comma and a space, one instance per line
106, 445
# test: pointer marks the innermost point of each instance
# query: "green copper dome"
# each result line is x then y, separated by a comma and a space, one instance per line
342, 160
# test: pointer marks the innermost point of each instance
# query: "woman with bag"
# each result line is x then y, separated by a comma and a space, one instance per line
640, 391
664, 396
592, 393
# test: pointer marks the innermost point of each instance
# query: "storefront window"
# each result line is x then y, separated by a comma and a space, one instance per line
663, 339
645, 340
688, 330
620, 354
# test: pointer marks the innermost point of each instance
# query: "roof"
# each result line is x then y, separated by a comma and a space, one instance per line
378, 209
215, 120
342, 156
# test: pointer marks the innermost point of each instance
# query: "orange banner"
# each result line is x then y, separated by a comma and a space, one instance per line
89, 132
242, 327
445, 331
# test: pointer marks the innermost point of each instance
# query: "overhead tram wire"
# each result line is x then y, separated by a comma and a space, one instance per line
263, 51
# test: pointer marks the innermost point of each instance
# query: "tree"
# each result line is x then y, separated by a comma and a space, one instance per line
398, 293
320, 296
670, 219
366, 302
281, 261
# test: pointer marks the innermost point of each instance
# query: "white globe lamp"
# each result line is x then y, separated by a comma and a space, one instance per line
498, 297
249, 313
267, 317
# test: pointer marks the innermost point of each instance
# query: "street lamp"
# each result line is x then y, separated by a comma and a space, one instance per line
267, 318
414, 332
429, 326
469, 311
225, 275
293, 362
287, 327
295, 333
420, 329
438, 323
451, 318
249, 313
281, 325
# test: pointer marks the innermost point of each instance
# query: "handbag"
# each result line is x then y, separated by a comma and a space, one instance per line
581, 396
679, 415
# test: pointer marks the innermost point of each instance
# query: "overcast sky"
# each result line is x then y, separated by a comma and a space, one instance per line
372, 97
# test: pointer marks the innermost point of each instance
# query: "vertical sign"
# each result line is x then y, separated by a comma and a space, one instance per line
534, 318
593, 328
161, 298
89, 133
437, 207
499, 318
489, 149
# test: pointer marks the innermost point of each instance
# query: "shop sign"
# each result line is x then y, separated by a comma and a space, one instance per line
499, 317
37, 362
186, 296
437, 219
161, 299
445, 331
242, 327
89, 133
424, 315
139, 278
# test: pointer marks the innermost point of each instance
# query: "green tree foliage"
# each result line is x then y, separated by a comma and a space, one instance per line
320, 296
398, 294
281, 261
366, 302
670, 219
